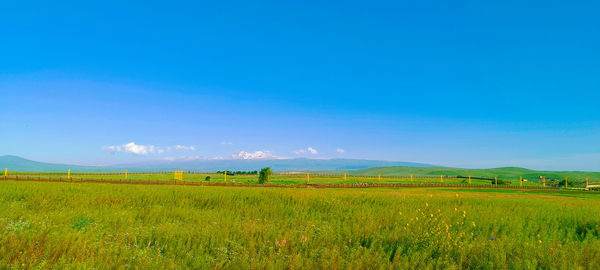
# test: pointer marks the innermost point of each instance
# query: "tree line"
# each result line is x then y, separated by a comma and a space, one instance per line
237, 172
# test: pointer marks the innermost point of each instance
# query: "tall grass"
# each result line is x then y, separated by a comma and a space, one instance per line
58, 225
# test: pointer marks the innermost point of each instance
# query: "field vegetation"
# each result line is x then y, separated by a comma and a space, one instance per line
83, 225
505, 173
297, 178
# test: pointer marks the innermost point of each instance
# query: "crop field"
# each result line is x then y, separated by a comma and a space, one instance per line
90, 225
283, 179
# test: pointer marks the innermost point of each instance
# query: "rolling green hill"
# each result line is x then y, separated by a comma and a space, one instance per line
15, 163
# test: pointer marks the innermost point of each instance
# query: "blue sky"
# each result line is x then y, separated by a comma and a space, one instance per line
458, 83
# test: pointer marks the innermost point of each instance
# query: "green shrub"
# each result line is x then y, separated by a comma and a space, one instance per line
265, 175
500, 182
207, 178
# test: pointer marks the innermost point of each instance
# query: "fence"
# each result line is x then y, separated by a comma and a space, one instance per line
344, 185
178, 175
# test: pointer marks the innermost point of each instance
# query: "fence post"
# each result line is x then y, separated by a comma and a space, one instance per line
412, 176
469, 179
225, 176
69, 174
566, 182
521, 180
307, 177
345, 176
544, 179
379, 178
442, 178
126, 175
587, 181
496, 179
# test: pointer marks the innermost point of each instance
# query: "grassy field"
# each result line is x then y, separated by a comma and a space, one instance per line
63, 225
509, 173
293, 179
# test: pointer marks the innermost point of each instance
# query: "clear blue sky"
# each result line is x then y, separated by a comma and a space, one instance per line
457, 83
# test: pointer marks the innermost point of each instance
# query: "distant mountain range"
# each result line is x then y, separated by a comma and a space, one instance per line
15, 163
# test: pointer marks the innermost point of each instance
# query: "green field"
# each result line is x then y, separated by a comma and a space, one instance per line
335, 177
82, 225
512, 174
505, 172
507, 176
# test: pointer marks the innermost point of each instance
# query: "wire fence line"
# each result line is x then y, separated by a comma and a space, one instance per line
342, 185
248, 174
575, 182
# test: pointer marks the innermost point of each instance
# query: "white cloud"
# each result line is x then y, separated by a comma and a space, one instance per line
226, 143
255, 155
340, 150
186, 158
184, 148
131, 147
308, 150
142, 150
191, 158
112, 148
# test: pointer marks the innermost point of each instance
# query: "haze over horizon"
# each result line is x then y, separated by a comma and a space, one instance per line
460, 84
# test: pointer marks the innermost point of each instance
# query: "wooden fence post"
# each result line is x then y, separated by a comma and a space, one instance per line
587, 181
521, 180
544, 179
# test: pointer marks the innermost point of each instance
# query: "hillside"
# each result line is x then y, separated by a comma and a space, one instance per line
15, 163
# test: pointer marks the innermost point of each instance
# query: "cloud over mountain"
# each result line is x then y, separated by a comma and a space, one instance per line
142, 150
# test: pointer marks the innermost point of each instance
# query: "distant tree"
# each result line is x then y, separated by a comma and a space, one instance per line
265, 175
563, 182
237, 172
500, 182
207, 178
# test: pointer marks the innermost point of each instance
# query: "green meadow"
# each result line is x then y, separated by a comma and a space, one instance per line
107, 226
299, 178
506, 173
